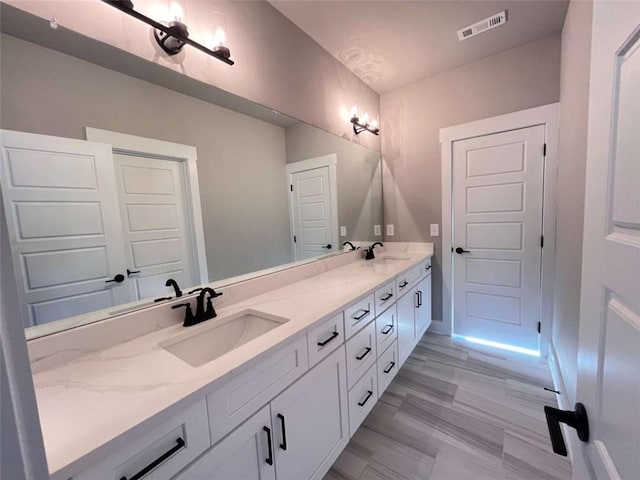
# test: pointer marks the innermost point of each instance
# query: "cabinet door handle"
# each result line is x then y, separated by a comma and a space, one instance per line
387, 330
390, 367
419, 298
178, 446
366, 399
364, 314
283, 445
417, 302
364, 354
333, 335
403, 284
269, 459
386, 297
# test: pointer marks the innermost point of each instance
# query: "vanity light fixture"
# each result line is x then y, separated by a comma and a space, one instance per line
173, 36
362, 124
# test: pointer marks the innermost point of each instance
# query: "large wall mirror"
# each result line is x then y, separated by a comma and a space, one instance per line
112, 184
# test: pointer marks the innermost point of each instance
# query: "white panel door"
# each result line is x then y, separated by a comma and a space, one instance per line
310, 421
609, 352
497, 228
155, 230
312, 212
64, 228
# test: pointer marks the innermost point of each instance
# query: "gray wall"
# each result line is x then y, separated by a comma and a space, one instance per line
240, 159
277, 64
517, 79
358, 173
574, 106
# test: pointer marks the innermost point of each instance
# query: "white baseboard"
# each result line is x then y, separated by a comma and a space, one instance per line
564, 402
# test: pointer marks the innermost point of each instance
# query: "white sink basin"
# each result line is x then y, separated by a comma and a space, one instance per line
221, 336
390, 259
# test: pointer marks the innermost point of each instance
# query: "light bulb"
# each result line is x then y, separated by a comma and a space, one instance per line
365, 118
354, 112
220, 38
176, 12
374, 124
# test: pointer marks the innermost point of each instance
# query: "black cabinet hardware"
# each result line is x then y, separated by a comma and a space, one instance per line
132, 272
162, 299
386, 297
387, 330
364, 354
324, 342
360, 317
417, 300
419, 292
461, 250
390, 367
119, 278
327, 246
270, 457
178, 446
283, 445
194, 290
576, 419
366, 399
403, 284
427, 268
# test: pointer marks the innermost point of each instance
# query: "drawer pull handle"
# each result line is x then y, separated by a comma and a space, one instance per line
364, 354
428, 267
386, 297
283, 445
390, 367
366, 399
364, 314
333, 335
387, 330
269, 459
403, 284
178, 446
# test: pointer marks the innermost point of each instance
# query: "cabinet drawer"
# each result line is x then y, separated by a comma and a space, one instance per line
388, 366
185, 434
408, 279
357, 315
240, 397
362, 398
361, 353
386, 329
325, 338
385, 296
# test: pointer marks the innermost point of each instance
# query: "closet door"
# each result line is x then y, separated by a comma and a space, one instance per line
63, 223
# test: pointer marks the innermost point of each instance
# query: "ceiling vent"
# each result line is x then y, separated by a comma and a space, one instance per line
483, 26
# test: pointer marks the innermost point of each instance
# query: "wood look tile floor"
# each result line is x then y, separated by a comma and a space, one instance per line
457, 411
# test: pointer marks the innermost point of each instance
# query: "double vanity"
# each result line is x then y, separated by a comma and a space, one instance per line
273, 387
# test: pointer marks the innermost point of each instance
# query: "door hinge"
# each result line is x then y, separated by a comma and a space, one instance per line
539, 327
291, 187
542, 241
544, 150
294, 239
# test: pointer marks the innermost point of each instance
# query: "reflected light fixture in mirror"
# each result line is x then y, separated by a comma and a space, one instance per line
171, 32
363, 124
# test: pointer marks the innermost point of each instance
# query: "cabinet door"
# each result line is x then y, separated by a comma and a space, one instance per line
244, 454
310, 421
423, 312
407, 306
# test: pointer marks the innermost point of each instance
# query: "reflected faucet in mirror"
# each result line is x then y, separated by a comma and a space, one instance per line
369, 251
172, 283
202, 313
352, 247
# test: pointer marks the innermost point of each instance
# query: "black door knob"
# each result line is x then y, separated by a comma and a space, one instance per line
576, 419
327, 246
461, 250
119, 278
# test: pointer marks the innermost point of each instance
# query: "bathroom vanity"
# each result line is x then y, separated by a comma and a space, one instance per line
273, 387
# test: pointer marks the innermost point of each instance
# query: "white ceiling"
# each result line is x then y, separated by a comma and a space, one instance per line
389, 44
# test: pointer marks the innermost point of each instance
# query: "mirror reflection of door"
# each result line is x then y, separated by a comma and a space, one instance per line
90, 230
313, 206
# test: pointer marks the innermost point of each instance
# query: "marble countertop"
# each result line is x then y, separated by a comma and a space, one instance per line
87, 404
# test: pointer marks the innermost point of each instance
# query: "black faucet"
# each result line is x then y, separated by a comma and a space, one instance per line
350, 244
202, 313
369, 251
172, 283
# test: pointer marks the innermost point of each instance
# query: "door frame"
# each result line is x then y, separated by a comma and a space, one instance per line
548, 116
133, 145
331, 161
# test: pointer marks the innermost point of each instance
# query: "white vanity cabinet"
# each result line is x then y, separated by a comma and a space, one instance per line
423, 312
414, 314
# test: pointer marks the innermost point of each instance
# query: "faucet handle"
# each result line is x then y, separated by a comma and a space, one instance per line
210, 312
189, 319
215, 294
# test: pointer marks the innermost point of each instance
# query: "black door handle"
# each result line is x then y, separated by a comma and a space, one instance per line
269, 459
460, 250
283, 445
327, 246
131, 272
119, 278
576, 419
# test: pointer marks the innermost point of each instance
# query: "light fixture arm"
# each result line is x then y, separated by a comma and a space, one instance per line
359, 127
126, 6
